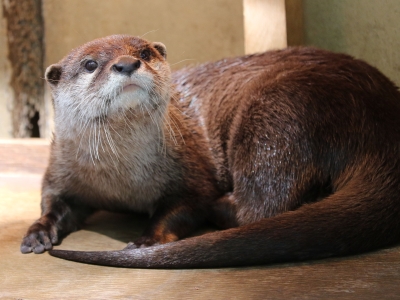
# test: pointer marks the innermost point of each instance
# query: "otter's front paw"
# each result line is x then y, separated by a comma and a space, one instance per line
39, 238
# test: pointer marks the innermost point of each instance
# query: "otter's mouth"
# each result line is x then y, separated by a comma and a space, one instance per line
130, 88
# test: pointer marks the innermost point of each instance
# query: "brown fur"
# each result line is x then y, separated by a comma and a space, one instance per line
296, 150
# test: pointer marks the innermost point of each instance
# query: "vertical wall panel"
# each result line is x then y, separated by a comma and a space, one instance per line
24, 31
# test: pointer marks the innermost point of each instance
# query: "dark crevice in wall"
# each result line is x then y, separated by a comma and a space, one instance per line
25, 52
34, 121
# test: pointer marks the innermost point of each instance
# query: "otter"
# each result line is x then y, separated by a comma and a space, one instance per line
294, 154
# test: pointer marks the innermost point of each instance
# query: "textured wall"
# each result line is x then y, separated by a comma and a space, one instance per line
24, 29
5, 76
366, 29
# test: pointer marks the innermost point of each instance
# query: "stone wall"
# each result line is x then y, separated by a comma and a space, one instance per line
6, 95
24, 31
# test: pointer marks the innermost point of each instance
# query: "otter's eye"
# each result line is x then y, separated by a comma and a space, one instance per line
91, 65
145, 54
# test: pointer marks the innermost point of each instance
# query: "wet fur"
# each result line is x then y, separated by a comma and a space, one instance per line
296, 153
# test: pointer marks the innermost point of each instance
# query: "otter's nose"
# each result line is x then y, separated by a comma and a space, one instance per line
126, 65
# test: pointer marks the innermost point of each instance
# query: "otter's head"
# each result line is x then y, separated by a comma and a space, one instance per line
110, 78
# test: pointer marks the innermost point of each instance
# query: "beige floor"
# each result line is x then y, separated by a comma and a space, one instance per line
370, 276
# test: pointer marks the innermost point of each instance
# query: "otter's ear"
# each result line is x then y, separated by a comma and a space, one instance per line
161, 48
53, 74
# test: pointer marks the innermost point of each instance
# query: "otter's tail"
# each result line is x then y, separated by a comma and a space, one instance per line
341, 224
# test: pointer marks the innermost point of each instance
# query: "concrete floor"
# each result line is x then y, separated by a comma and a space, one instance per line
369, 276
